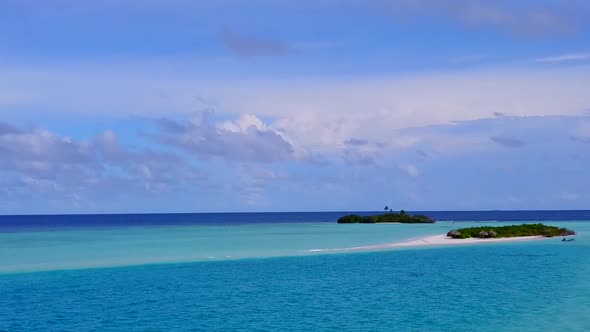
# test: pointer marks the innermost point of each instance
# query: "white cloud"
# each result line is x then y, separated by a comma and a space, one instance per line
410, 170
242, 124
247, 139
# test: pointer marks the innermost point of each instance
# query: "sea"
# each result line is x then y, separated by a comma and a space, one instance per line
279, 272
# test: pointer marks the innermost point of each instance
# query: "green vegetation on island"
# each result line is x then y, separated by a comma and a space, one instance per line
509, 231
401, 217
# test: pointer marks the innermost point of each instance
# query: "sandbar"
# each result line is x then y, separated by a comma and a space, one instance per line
433, 240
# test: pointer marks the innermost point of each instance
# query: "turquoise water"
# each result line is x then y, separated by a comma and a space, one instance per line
263, 278
122, 246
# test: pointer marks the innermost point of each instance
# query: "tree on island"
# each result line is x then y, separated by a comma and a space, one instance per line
387, 209
402, 213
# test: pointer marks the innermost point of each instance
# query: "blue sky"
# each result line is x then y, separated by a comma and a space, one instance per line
196, 106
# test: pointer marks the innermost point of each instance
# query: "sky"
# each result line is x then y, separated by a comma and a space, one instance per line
325, 105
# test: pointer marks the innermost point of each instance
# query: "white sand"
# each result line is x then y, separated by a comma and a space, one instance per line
434, 240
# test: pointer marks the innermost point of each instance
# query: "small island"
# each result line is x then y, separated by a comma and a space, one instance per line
488, 232
388, 217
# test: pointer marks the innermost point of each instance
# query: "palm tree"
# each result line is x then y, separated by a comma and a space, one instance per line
386, 208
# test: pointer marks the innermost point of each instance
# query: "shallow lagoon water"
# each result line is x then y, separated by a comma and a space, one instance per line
262, 277
121, 246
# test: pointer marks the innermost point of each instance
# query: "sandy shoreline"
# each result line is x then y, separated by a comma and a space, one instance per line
433, 240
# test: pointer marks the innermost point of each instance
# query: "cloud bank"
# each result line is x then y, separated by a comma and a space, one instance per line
43, 162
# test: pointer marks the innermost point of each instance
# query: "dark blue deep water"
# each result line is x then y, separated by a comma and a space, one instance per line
23, 222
